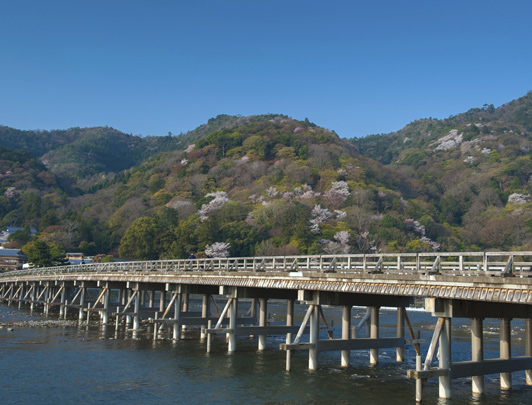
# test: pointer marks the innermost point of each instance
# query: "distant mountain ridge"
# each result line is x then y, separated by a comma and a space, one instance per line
515, 116
270, 184
76, 154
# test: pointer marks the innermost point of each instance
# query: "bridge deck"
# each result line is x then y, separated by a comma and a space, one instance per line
477, 276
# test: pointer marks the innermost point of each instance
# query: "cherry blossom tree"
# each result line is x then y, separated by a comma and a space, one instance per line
318, 216
218, 249
340, 245
216, 204
337, 194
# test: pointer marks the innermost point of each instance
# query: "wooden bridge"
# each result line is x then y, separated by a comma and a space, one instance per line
475, 285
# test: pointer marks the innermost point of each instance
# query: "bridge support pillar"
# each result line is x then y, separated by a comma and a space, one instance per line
445, 359
346, 329
177, 316
314, 337
374, 334
128, 317
289, 322
185, 307
400, 354
151, 298
162, 300
205, 312
528, 347
21, 296
105, 313
33, 295
233, 312
65, 312
47, 299
136, 317
253, 309
263, 313
505, 351
62, 308
81, 303
477, 353
11, 293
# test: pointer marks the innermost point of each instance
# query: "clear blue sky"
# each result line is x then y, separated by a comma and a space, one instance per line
356, 67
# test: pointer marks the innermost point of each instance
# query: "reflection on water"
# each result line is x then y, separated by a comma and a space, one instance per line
45, 360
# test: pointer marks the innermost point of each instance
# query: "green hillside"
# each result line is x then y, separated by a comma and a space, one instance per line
27, 189
272, 185
85, 157
475, 169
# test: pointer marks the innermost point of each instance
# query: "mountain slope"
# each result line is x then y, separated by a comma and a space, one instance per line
266, 176
269, 184
513, 118
27, 188
86, 156
475, 169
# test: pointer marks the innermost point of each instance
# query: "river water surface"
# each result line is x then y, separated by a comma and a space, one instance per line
47, 361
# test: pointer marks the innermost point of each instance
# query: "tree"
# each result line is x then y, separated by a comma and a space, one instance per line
319, 216
340, 245
217, 249
42, 254
58, 255
140, 240
241, 237
20, 237
337, 194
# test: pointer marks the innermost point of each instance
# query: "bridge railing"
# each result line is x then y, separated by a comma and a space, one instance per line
449, 263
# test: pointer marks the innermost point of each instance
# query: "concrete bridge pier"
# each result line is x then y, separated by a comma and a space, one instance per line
445, 359
33, 295
47, 299
400, 351
289, 322
477, 353
21, 295
346, 333
374, 334
106, 298
82, 302
185, 306
62, 308
162, 300
177, 316
233, 312
151, 298
129, 318
142, 297
263, 313
314, 336
505, 350
136, 317
205, 312
253, 308
11, 294
120, 291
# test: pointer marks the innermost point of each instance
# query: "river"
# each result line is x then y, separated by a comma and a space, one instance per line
47, 361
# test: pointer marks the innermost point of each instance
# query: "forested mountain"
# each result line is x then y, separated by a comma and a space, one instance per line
85, 157
26, 187
475, 169
269, 184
